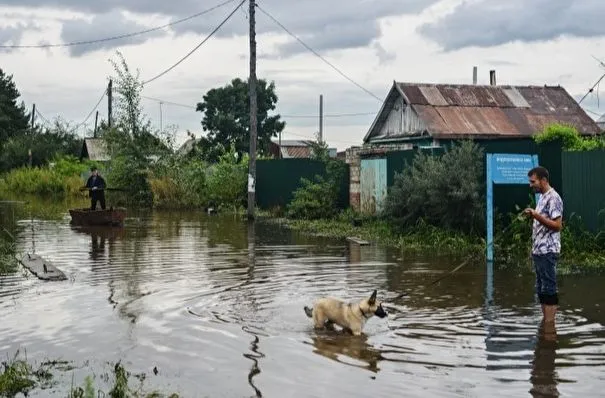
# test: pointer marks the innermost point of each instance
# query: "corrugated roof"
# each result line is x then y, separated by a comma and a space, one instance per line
456, 111
95, 149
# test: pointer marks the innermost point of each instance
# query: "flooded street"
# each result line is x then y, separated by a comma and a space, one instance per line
217, 306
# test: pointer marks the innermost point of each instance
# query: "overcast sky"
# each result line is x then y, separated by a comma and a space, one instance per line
373, 42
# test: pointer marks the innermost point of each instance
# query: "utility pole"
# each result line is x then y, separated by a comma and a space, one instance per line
94, 133
321, 117
33, 116
161, 125
109, 96
253, 121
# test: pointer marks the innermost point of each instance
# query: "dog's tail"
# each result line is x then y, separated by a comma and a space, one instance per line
309, 311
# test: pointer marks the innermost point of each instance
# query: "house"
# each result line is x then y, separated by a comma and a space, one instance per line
94, 149
601, 123
417, 115
294, 149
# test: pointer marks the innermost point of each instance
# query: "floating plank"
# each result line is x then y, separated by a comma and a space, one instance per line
359, 241
42, 268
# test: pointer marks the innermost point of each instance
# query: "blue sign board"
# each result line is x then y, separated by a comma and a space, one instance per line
511, 168
504, 168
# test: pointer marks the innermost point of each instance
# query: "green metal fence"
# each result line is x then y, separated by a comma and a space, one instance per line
584, 187
277, 179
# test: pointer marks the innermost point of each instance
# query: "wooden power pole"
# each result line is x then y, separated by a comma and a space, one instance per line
253, 114
109, 97
321, 118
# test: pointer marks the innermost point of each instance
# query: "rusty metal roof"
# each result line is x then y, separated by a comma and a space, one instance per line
458, 111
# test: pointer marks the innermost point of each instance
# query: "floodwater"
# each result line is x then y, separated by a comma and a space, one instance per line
216, 306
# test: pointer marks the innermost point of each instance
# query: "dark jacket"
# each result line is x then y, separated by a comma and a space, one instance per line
99, 182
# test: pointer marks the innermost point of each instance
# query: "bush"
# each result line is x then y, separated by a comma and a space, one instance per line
227, 181
444, 191
40, 181
129, 174
569, 137
179, 182
318, 199
43, 145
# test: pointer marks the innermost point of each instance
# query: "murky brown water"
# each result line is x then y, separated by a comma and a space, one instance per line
217, 306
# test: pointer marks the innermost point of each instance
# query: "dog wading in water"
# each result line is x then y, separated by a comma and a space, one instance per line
328, 311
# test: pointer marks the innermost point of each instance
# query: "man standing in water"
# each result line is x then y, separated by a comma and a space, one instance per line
546, 240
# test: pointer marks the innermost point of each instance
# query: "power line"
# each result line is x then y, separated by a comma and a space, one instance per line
142, 32
91, 112
329, 115
335, 115
198, 46
592, 88
317, 54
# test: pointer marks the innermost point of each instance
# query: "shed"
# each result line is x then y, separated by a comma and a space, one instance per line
95, 149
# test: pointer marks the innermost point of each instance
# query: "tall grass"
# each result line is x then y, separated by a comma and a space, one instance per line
40, 181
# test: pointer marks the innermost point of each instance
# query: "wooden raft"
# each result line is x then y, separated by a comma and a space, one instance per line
42, 268
358, 241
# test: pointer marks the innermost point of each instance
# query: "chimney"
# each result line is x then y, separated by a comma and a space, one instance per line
474, 75
492, 77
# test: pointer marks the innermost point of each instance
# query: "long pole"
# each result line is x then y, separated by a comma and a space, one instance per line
253, 121
94, 133
109, 96
33, 116
161, 124
321, 118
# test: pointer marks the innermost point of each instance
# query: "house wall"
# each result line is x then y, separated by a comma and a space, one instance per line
401, 120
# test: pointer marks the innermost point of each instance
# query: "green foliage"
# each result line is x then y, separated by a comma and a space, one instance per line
319, 198
8, 261
319, 149
444, 191
569, 137
17, 377
131, 175
14, 120
44, 145
227, 180
180, 183
227, 118
39, 181
133, 147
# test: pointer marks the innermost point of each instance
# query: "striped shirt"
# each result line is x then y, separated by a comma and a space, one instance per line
545, 240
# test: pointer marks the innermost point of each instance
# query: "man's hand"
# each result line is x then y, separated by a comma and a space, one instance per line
530, 212
94, 188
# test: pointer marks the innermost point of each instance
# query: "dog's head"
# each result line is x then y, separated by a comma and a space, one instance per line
373, 306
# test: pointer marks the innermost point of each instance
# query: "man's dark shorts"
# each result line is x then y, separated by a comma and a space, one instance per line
545, 266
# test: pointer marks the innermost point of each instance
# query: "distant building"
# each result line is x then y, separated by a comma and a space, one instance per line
294, 149
601, 123
94, 149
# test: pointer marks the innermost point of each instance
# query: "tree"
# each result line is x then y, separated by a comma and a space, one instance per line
227, 118
14, 120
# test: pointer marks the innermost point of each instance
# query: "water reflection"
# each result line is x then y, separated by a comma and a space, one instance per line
543, 372
347, 349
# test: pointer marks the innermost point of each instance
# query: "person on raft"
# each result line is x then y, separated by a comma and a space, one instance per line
96, 189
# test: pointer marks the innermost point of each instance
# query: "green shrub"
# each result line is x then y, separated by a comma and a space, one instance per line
39, 181
319, 198
227, 181
570, 138
444, 191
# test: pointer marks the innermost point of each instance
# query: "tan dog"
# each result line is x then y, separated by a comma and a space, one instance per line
327, 312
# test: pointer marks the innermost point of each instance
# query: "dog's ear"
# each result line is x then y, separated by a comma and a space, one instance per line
372, 299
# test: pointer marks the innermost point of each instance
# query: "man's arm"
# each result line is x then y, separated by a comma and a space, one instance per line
554, 224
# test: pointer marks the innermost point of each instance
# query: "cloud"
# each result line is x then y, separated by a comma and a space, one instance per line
11, 35
324, 25
110, 24
487, 23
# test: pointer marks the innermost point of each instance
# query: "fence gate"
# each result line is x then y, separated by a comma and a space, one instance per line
373, 184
